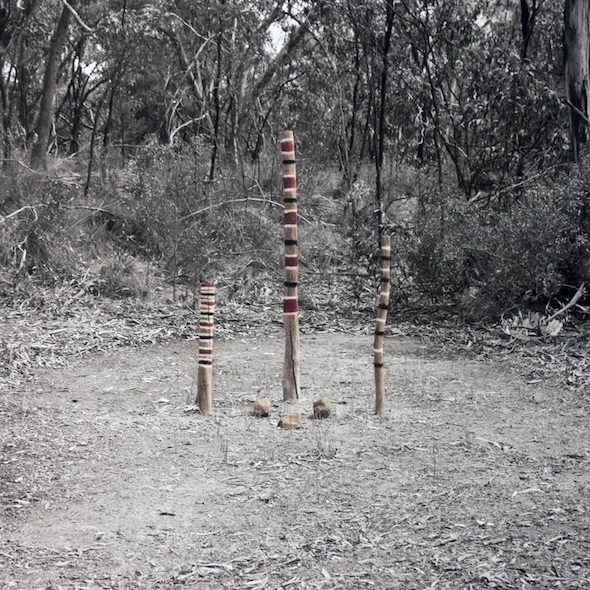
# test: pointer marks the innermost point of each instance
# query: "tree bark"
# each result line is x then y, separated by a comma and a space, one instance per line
77, 96
47, 105
216, 101
577, 70
116, 80
528, 15
93, 143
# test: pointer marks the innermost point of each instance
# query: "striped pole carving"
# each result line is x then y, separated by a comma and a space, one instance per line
382, 307
290, 301
205, 374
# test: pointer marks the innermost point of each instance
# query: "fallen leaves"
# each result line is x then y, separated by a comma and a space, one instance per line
61, 329
561, 358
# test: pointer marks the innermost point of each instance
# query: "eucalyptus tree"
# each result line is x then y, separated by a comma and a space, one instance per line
577, 71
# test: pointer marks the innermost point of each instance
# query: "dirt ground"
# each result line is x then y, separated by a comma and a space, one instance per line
472, 478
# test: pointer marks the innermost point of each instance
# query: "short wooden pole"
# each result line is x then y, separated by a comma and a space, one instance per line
382, 308
291, 299
205, 370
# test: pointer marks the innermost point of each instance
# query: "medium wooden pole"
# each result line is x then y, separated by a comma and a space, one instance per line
382, 307
290, 301
205, 371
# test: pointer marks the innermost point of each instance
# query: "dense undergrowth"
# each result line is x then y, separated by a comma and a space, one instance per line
159, 218
122, 265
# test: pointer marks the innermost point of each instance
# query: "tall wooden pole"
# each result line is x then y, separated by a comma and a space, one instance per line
290, 300
382, 307
205, 370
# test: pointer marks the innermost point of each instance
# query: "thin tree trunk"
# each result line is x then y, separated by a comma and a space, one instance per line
77, 94
93, 144
216, 102
577, 70
114, 88
47, 105
6, 124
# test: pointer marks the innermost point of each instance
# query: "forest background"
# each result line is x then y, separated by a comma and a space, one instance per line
139, 148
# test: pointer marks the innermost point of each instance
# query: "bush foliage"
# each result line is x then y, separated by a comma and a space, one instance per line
494, 257
515, 250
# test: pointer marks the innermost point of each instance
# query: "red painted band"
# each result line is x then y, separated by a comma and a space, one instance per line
207, 303
290, 306
289, 182
291, 261
291, 218
205, 351
287, 145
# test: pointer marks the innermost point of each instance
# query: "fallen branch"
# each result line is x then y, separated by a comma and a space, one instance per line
577, 296
233, 201
93, 209
32, 208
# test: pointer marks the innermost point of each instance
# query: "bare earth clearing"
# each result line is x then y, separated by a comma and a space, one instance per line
471, 478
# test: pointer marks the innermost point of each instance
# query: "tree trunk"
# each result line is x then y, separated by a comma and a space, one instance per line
77, 96
115, 83
216, 101
93, 143
47, 105
528, 15
577, 70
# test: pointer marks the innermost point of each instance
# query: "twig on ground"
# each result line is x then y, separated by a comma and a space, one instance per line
577, 296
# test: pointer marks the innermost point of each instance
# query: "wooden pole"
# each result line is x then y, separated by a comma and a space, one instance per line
291, 299
382, 307
205, 371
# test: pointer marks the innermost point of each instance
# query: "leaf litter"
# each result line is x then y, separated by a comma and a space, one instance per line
463, 483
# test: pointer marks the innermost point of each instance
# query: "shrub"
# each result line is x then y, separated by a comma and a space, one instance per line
34, 235
196, 227
522, 252
120, 277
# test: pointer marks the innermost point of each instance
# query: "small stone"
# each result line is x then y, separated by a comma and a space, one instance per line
290, 422
321, 408
262, 407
